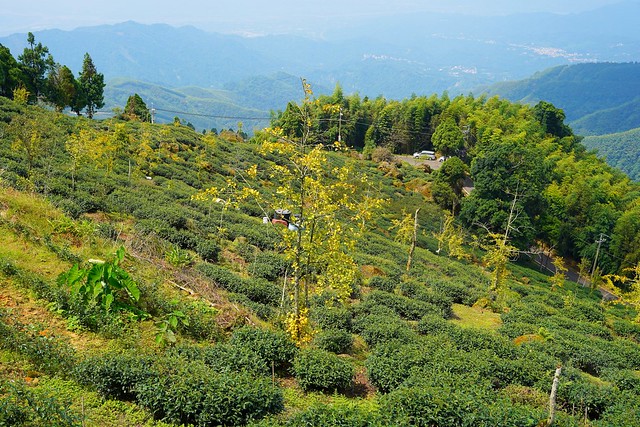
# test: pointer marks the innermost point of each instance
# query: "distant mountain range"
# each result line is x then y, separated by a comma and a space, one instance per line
217, 80
597, 99
395, 56
621, 150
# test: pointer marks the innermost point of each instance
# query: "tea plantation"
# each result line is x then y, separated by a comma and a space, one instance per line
128, 300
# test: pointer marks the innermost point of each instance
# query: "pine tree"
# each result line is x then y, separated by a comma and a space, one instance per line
92, 85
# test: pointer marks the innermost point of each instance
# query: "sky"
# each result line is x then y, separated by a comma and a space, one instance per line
252, 16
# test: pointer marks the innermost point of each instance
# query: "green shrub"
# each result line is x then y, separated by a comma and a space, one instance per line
258, 290
331, 317
48, 353
115, 376
390, 364
334, 340
270, 346
417, 291
382, 283
268, 265
460, 293
433, 324
263, 311
407, 308
21, 406
377, 329
627, 329
342, 414
623, 379
585, 397
192, 393
320, 370
208, 250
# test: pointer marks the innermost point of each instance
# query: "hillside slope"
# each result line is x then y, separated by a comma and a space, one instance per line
195, 331
621, 150
596, 98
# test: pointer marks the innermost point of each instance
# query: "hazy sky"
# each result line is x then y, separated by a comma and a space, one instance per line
19, 16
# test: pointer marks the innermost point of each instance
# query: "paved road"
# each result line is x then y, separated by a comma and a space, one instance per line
419, 161
546, 262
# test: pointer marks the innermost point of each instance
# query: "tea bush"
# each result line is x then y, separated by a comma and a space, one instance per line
258, 290
341, 414
334, 340
22, 406
208, 250
433, 324
115, 375
270, 346
408, 308
376, 329
382, 283
320, 370
331, 317
192, 393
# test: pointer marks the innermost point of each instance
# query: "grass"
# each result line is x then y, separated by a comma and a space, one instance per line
475, 317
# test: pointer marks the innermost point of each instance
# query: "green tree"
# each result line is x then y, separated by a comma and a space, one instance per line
448, 183
448, 138
36, 61
62, 87
32, 134
92, 85
10, 73
552, 119
136, 109
501, 171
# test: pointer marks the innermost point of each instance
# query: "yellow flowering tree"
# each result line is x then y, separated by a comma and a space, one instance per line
330, 207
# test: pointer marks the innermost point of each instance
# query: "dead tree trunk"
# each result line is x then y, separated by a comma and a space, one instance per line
552, 396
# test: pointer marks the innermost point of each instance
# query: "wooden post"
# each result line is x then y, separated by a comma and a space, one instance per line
552, 396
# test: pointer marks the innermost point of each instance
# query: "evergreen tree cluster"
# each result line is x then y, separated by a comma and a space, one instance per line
36, 77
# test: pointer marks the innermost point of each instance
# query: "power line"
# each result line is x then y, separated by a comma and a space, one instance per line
213, 116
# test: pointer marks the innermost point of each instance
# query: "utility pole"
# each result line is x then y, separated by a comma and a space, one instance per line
600, 240
340, 125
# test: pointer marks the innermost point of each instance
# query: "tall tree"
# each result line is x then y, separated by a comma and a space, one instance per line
552, 119
92, 85
62, 87
10, 73
136, 109
36, 61
448, 138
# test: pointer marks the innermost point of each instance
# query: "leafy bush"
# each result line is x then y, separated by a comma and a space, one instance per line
20, 406
334, 340
585, 396
627, 329
390, 364
208, 250
376, 329
268, 265
115, 375
460, 293
258, 290
331, 317
192, 393
417, 291
407, 308
270, 346
320, 370
433, 324
341, 414
623, 379
48, 353
382, 283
